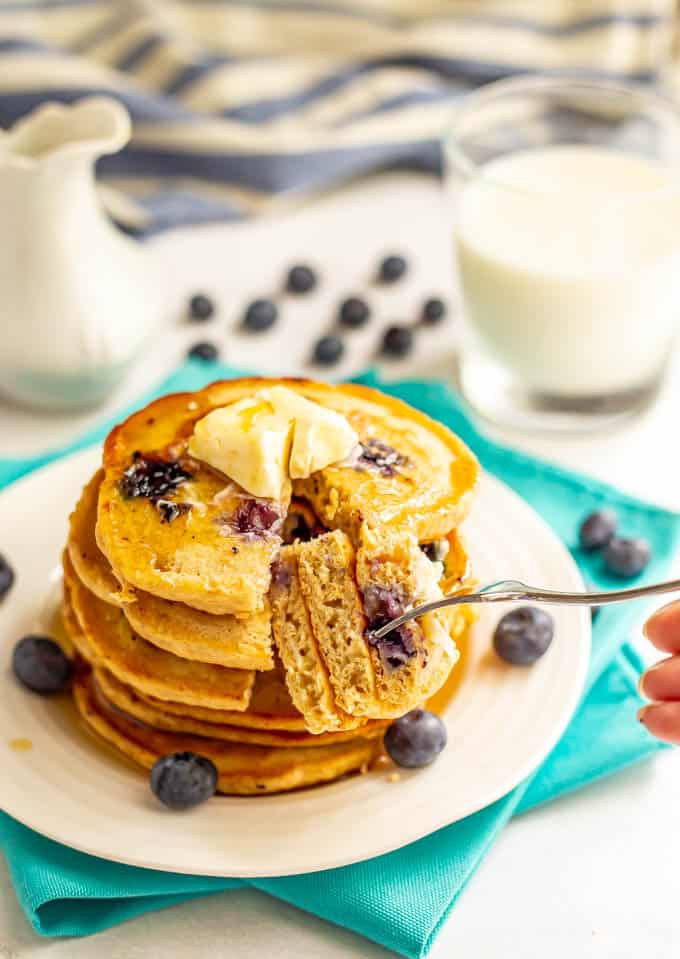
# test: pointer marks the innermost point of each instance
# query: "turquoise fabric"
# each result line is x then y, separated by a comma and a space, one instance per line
401, 899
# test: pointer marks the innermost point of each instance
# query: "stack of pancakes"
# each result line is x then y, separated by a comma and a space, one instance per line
207, 620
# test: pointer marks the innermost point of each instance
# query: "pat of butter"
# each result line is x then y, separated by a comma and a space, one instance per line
262, 441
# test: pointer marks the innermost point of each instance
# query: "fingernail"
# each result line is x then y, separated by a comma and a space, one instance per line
641, 714
643, 679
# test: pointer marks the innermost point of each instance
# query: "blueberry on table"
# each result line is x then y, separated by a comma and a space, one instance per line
415, 739
201, 307
301, 279
434, 311
183, 780
626, 557
6, 577
597, 529
261, 315
206, 352
523, 635
328, 350
41, 665
392, 268
397, 341
354, 312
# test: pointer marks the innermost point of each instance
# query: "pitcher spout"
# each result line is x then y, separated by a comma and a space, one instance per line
91, 127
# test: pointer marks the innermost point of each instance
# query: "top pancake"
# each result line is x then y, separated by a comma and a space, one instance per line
410, 474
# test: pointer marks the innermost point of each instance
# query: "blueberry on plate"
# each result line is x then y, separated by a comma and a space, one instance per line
328, 350
41, 665
597, 529
626, 557
397, 341
392, 268
301, 279
523, 635
354, 312
434, 311
206, 352
201, 307
6, 577
415, 739
183, 780
261, 315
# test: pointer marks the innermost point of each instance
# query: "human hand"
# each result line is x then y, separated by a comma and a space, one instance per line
661, 683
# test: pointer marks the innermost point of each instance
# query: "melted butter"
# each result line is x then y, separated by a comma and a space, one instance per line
20, 745
250, 414
441, 699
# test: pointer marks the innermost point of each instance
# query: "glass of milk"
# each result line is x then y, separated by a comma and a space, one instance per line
567, 200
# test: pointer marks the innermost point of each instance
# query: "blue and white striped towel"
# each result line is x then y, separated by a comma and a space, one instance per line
237, 102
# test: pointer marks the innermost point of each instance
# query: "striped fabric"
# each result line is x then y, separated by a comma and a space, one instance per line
238, 103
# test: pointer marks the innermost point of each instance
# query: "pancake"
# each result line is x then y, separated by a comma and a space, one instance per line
111, 642
305, 669
410, 473
186, 632
91, 566
411, 663
155, 715
203, 637
338, 594
325, 568
76, 642
270, 707
242, 769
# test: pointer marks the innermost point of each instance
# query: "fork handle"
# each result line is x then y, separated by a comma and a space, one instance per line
533, 595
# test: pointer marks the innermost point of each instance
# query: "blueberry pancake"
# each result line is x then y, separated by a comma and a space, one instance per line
242, 769
173, 526
125, 698
228, 566
190, 633
329, 598
109, 641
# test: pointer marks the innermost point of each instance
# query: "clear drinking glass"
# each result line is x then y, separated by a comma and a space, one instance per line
567, 210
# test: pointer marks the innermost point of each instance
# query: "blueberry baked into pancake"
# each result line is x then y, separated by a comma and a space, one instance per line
227, 568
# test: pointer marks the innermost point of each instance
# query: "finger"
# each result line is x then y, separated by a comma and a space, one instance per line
662, 629
661, 683
662, 720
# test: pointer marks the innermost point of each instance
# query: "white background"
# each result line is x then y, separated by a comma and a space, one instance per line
594, 875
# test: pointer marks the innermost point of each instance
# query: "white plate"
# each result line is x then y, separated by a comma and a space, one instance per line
502, 722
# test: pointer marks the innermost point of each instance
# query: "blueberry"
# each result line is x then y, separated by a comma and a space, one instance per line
152, 477
6, 577
301, 279
392, 268
436, 552
260, 316
416, 739
41, 664
206, 352
183, 780
328, 350
597, 529
626, 557
523, 635
354, 312
397, 341
434, 311
201, 307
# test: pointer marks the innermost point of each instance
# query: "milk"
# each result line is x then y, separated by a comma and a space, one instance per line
569, 259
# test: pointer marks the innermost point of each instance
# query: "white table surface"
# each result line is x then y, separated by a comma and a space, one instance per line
593, 876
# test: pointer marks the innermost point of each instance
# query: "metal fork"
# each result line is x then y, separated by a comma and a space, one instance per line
514, 591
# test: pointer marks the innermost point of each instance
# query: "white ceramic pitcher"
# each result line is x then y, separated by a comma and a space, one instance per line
78, 298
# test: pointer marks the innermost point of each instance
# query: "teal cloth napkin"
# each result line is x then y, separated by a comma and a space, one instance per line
399, 900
